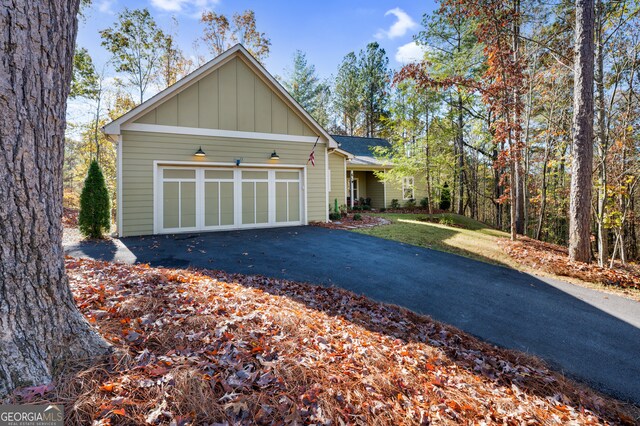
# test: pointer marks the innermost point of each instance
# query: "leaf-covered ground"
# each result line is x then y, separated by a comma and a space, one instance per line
211, 348
554, 259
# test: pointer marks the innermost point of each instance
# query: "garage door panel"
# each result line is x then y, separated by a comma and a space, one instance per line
187, 204
171, 205
212, 203
281, 202
207, 198
248, 205
262, 202
227, 210
294, 201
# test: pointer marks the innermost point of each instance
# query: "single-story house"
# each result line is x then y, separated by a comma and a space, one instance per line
227, 147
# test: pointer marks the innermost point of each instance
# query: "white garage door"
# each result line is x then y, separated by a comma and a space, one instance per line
202, 199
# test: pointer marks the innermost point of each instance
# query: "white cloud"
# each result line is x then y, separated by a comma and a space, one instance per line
191, 7
399, 28
106, 6
410, 52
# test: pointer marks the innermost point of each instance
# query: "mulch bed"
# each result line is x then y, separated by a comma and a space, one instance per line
349, 223
554, 259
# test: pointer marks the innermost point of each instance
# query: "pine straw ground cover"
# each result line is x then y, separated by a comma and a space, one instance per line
554, 259
205, 347
348, 222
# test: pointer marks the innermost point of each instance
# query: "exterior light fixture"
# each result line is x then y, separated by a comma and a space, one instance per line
274, 155
200, 153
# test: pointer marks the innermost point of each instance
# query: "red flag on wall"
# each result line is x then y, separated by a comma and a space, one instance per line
312, 156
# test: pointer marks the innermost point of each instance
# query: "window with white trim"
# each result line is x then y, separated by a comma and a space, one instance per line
408, 188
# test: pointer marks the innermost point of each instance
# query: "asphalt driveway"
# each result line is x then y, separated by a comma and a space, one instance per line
589, 335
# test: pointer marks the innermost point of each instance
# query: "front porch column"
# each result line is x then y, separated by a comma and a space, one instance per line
351, 191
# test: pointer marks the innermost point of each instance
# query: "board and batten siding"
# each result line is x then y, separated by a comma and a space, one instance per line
338, 171
231, 97
141, 149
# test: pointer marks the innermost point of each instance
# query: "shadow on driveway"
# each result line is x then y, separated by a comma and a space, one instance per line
586, 334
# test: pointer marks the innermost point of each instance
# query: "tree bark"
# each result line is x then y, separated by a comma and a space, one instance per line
41, 326
601, 136
581, 165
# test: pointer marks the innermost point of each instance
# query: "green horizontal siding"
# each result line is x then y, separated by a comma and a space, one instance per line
140, 149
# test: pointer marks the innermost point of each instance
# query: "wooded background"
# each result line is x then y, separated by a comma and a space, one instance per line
488, 111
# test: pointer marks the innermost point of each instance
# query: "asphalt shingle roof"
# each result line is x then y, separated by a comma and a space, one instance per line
359, 146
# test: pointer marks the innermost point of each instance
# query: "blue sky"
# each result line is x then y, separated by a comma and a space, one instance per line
325, 30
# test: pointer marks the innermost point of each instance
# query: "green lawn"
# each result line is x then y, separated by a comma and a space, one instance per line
469, 238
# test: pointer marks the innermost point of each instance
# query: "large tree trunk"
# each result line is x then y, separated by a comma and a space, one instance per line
41, 326
601, 136
460, 158
581, 165
517, 120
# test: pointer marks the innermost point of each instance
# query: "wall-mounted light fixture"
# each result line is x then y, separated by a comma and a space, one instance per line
238, 161
274, 155
200, 153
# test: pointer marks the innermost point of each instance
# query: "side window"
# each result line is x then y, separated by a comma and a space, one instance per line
407, 188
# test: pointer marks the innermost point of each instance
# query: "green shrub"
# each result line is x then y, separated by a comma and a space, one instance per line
335, 216
445, 198
424, 203
446, 221
410, 204
93, 219
366, 207
357, 216
343, 209
383, 209
395, 204
367, 201
335, 206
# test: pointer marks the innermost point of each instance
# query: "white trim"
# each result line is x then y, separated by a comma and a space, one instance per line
343, 152
306, 202
344, 173
119, 186
237, 179
411, 185
114, 127
384, 189
326, 183
228, 164
196, 131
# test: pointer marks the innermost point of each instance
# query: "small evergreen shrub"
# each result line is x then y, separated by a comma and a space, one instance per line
410, 204
395, 204
383, 209
357, 216
94, 219
366, 207
367, 201
335, 216
445, 198
424, 203
343, 210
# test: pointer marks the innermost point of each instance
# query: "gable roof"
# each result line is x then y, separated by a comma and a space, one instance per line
360, 146
113, 128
